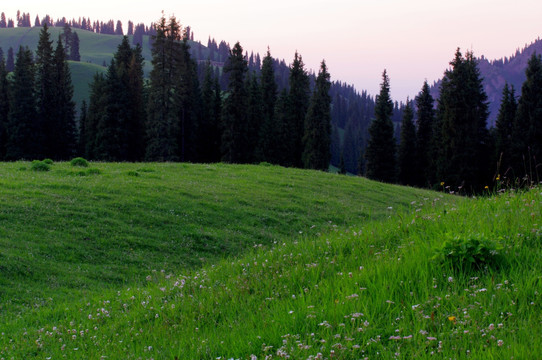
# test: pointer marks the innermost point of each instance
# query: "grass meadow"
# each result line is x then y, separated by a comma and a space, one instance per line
176, 261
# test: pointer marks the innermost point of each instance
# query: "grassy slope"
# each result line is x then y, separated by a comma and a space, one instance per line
95, 50
360, 287
62, 234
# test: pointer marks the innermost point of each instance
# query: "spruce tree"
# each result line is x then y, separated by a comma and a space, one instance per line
255, 109
46, 93
10, 61
163, 107
408, 153
317, 136
424, 135
81, 144
96, 111
267, 137
234, 111
527, 133
504, 127
24, 133
381, 148
298, 103
74, 48
4, 107
352, 146
63, 142
465, 160
209, 129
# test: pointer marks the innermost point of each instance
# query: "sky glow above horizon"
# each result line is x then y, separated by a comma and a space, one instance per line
414, 40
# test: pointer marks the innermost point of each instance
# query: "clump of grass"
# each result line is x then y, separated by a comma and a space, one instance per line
471, 252
145, 170
88, 172
133, 173
265, 163
79, 161
48, 161
38, 165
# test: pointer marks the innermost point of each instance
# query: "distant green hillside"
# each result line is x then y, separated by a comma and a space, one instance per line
95, 50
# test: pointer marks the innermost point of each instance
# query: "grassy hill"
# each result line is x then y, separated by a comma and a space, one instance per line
95, 50
181, 261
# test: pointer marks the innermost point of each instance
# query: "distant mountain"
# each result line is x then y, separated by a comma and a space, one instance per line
496, 73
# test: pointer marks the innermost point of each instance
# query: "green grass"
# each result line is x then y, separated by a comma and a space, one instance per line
208, 261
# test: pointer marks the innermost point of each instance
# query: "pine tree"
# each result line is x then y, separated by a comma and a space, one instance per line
465, 158
3, 22
335, 146
352, 145
408, 152
10, 61
96, 111
504, 127
74, 48
81, 144
424, 137
24, 134
4, 107
234, 111
269, 128
187, 85
209, 129
164, 100
317, 136
46, 93
255, 109
63, 142
298, 104
527, 132
381, 148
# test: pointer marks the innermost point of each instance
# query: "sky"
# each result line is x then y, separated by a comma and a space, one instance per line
413, 40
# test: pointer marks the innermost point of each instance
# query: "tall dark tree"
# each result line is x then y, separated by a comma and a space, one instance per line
163, 107
74, 48
504, 127
268, 134
81, 144
24, 133
209, 129
335, 146
317, 136
465, 159
407, 155
298, 103
118, 29
96, 111
4, 107
10, 61
3, 22
352, 145
234, 111
424, 136
63, 144
46, 93
254, 115
527, 133
381, 148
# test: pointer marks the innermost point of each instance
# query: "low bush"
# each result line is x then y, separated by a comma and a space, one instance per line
38, 165
472, 252
79, 161
48, 161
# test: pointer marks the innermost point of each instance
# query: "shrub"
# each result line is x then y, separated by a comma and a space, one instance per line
38, 165
266, 164
470, 253
48, 161
79, 161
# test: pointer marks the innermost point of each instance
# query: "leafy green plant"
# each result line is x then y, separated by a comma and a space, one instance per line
470, 252
79, 161
48, 161
38, 165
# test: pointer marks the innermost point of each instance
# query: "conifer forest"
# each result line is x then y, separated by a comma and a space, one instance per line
245, 110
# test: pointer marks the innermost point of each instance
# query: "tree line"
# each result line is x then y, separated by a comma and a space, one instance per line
449, 146
170, 117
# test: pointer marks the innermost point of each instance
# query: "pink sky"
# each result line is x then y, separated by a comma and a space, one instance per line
414, 40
